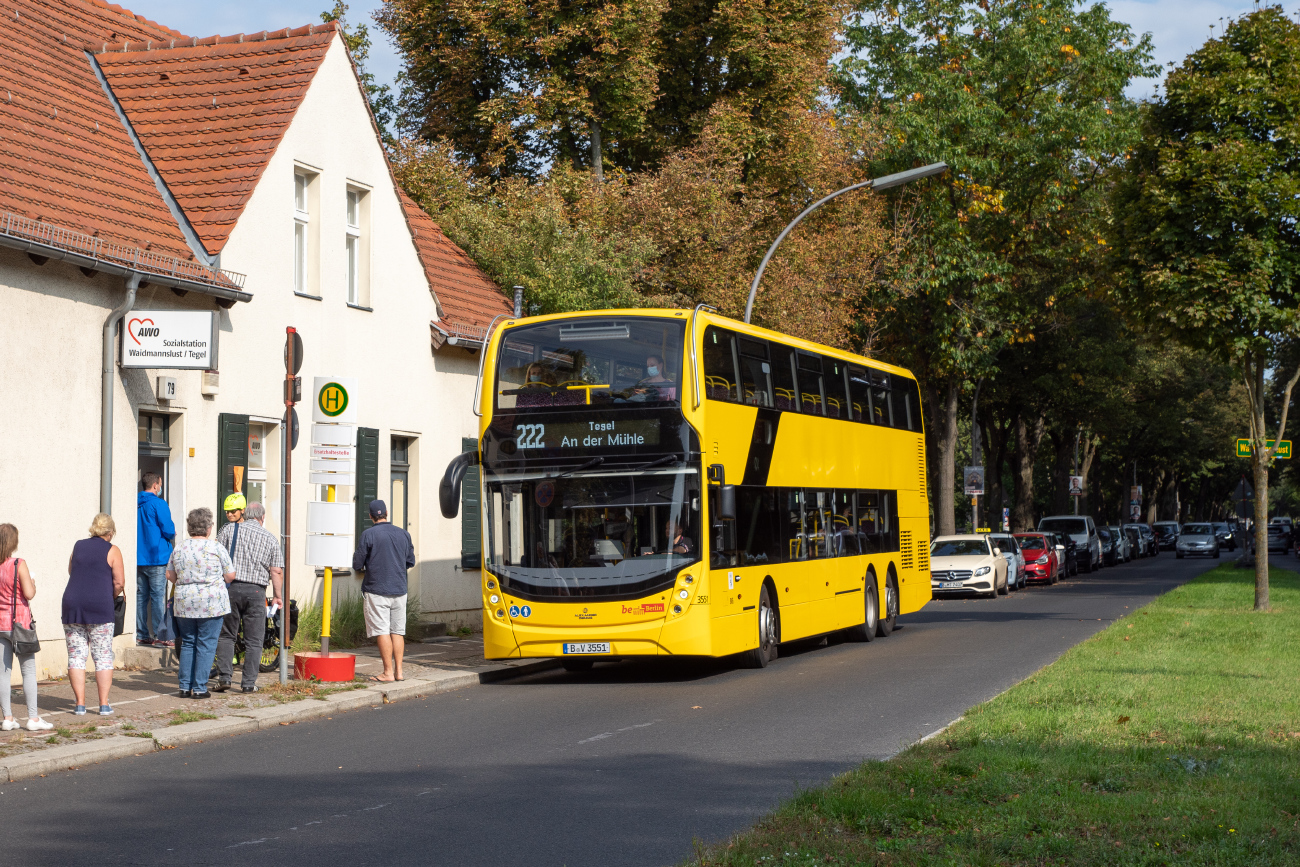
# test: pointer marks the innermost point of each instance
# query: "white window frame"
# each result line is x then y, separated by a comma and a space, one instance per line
356, 246
306, 232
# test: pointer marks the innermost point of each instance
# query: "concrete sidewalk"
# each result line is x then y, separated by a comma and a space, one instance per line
149, 714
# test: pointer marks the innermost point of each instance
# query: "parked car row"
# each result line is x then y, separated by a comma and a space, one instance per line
994, 564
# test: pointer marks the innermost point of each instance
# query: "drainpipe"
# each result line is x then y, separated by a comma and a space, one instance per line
106, 404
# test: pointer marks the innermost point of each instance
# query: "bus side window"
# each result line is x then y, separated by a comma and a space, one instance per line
868, 517
794, 535
889, 517
833, 382
720, 379
787, 394
911, 403
760, 528
859, 394
845, 525
882, 406
755, 372
812, 400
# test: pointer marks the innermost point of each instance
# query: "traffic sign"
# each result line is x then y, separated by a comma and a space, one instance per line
1244, 448
332, 400
291, 415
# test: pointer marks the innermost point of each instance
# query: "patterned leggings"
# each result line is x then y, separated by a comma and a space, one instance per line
95, 639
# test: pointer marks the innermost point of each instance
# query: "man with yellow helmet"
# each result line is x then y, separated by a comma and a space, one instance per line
259, 562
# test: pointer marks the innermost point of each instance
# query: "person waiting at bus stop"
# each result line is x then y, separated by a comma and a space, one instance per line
384, 553
259, 561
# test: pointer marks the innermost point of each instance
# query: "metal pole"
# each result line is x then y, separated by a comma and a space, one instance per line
975, 453
878, 183
286, 440
286, 488
327, 601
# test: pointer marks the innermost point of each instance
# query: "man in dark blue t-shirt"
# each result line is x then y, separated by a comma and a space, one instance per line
384, 554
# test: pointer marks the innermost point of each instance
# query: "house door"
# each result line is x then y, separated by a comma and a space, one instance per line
154, 448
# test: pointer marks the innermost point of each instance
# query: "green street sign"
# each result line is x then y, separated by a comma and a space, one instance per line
1283, 449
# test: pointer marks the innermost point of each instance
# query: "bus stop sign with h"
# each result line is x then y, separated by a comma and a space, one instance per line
330, 524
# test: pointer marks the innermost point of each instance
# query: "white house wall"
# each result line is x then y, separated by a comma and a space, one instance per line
50, 374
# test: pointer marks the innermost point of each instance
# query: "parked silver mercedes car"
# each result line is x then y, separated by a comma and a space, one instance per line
1197, 540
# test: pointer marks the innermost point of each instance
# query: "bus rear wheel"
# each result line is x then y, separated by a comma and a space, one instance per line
866, 631
760, 656
890, 618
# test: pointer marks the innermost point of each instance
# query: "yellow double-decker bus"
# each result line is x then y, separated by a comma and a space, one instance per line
676, 483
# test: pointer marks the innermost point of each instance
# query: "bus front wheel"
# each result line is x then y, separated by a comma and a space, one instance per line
886, 625
760, 656
867, 630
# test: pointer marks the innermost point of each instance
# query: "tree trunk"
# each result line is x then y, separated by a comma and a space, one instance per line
1259, 467
597, 162
1151, 494
1085, 465
945, 516
997, 450
1026, 451
1063, 443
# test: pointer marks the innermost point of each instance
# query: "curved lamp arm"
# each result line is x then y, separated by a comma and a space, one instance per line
878, 183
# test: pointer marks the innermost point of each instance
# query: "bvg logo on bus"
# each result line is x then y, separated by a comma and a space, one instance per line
333, 399
646, 608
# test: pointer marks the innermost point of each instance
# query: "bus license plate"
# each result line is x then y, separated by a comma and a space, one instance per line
951, 585
587, 647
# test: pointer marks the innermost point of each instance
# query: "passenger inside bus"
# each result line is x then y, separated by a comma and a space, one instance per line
539, 387
656, 385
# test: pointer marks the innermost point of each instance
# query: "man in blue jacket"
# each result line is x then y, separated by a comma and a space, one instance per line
153, 548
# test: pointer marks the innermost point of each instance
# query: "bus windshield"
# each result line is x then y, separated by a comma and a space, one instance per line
634, 361
593, 534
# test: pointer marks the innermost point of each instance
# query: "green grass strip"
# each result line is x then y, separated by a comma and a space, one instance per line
1172, 737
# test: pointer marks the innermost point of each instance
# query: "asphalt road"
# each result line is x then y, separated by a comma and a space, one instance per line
624, 766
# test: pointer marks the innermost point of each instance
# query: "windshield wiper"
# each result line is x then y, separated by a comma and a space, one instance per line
591, 464
659, 462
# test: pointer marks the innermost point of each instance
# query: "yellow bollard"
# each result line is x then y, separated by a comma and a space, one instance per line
328, 601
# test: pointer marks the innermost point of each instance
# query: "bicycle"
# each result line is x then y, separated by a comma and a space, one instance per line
270, 660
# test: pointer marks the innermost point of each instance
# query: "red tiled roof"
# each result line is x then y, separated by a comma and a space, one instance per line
467, 298
65, 157
211, 112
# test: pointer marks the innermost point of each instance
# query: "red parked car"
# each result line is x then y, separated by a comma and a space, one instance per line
1040, 557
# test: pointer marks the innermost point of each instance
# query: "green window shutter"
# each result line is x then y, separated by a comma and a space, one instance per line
471, 542
232, 451
367, 476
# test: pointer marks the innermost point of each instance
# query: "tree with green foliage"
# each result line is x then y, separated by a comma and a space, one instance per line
1206, 212
518, 87
1025, 101
357, 39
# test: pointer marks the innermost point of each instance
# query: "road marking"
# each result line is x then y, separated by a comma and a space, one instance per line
603, 735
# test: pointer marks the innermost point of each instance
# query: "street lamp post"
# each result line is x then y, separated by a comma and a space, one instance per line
878, 184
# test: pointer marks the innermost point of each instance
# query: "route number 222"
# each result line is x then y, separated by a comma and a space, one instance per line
529, 436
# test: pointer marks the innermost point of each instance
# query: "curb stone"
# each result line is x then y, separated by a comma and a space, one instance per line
72, 756
188, 733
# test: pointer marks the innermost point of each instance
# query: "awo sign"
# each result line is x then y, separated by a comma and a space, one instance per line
170, 339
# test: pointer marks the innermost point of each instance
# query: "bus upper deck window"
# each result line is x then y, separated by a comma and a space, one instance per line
787, 394
812, 398
721, 380
755, 371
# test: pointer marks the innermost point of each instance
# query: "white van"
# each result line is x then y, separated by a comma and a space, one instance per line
1083, 531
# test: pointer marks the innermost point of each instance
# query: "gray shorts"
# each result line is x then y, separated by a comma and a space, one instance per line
385, 615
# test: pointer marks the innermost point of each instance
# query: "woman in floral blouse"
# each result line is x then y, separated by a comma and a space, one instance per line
200, 569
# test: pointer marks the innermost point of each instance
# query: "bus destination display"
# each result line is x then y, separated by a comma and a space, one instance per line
587, 434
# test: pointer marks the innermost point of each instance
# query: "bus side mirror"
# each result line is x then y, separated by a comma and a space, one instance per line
726, 502
449, 488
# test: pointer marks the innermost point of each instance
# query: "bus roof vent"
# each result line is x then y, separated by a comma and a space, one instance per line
603, 331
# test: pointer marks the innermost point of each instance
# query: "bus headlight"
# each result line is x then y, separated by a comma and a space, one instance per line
494, 599
492, 585
690, 579
685, 594
677, 609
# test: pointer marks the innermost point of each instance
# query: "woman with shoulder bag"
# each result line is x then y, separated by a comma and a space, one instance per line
96, 574
16, 591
